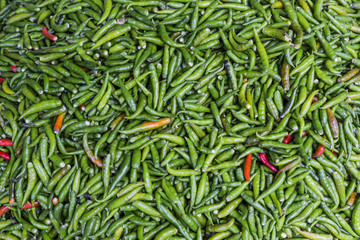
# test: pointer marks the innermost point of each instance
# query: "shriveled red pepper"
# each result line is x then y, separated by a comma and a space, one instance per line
14, 69
49, 35
12, 193
266, 162
288, 138
5, 155
2, 80
59, 123
319, 151
82, 107
97, 161
29, 205
247, 167
333, 122
6, 142
116, 121
3, 210
315, 99
84, 68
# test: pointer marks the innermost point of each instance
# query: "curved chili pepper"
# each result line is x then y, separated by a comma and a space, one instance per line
3, 210
247, 167
97, 161
49, 35
5, 155
6, 142
29, 205
266, 162
319, 151
147, 126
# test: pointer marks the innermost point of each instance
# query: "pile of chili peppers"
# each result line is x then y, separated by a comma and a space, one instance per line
184, 119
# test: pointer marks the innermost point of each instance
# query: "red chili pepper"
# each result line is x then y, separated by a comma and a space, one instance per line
315, 99
5, 155
288, 138
28, 205
6, 142
2, 80
319, 151
3, 210
266, 162
247, 167
49, 35
336, 155
304, 134
14, 69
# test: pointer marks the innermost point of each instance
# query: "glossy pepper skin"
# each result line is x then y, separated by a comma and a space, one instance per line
49, 35
6, 142
179, 119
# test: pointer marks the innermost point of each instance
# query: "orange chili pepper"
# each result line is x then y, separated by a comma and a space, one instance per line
59, 123
351, 200
154, 125
55, 200
247, 167
319, 151
147, 126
